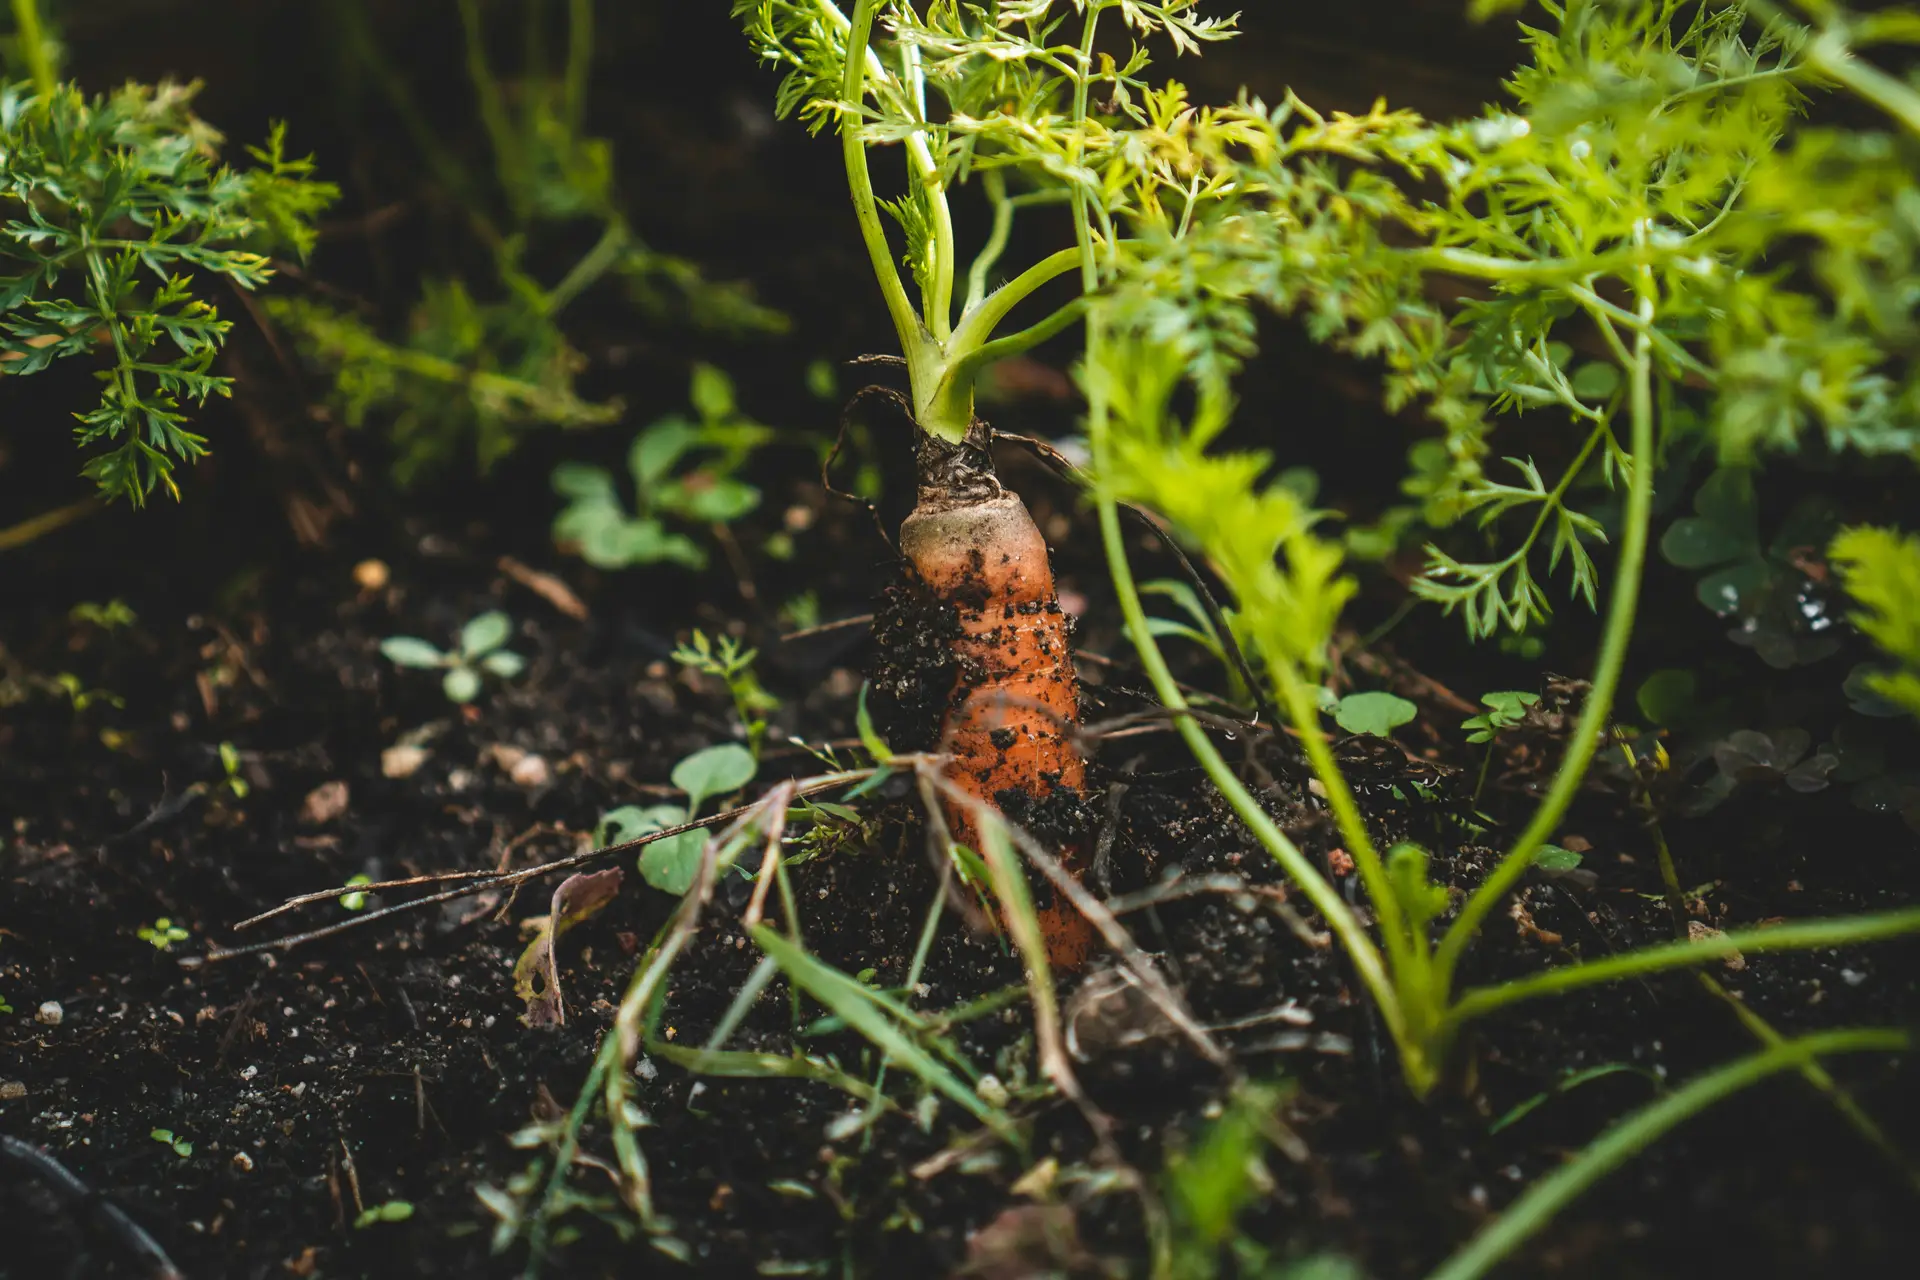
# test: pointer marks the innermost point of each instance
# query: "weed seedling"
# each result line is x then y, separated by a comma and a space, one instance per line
390, 1211
162, 934
597, 523
725, 659
180, 1146
230, 769
356, 901
480, 650
670, 864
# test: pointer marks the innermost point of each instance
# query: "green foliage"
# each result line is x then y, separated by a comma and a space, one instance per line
1199, 628
390, 1211
480, 649
729, 662
1505, 709
356, 900
1762, 586
596, 521
1882, 572
468, 376
481, 362
1285, 579
112, 204
1608, 208
1211, 1183
114, 615
230, 770
180, 1146
671, 864
1373, 712
162, 934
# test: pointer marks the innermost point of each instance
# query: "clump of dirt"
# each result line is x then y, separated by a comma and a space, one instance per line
913, 673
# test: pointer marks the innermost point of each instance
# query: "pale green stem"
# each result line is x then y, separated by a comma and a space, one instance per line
996, 185
1606, 677
1325, 898
964, 370
980, 322
579, 60
597, 262
493, 109
1296, 694
1828, 54
32, 39
945, 254
861, 60
906, 322
1542, 1201
1082, 81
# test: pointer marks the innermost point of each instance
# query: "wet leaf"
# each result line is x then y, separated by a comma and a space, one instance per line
1375, 713
1731, 590
536, 976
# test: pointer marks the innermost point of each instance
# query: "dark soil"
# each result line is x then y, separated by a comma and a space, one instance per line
389, 1064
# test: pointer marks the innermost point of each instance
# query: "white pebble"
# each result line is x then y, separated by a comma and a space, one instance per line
50, 1013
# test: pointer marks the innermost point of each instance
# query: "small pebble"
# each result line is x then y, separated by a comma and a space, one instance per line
325, 803
402, 762
10, 1089
530, 771
372, 575
243, 1162
50, 1014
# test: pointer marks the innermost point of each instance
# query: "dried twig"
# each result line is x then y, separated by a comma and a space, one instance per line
481, 881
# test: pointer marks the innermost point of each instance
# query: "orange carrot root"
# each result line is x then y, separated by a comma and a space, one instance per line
1016, 699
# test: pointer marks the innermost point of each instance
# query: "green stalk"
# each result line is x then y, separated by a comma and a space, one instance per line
906, 322
1828, 54
1606, 677
1325, 898
1803, 935
32, 39
980, 321
19, 535
586, 272
996, 185
507, 158
1302, 710
1547, 1197
579, 60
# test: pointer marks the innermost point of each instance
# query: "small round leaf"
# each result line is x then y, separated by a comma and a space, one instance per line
714, 772
1376, 713
409, 651
504, 663
462, 684
485, 633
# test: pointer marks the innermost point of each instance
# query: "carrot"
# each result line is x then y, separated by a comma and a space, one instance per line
1008, 728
